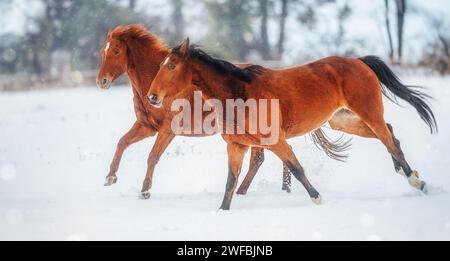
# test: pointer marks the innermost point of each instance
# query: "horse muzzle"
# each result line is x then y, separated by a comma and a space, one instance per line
154, 101
104, 83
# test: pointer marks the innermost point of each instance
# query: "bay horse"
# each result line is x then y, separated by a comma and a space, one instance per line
133, 50
345, 92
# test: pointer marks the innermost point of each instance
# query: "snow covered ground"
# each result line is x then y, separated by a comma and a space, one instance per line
56, 146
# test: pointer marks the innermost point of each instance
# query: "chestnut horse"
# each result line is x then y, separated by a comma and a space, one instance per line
346, 92
133, 50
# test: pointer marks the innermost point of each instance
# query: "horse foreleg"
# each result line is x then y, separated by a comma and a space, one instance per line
285, 153
137, 133
162, 142
256, 160
236, 155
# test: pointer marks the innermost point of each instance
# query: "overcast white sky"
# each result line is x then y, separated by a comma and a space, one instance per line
366, 23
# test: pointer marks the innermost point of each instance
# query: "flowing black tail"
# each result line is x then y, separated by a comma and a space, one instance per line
409, 94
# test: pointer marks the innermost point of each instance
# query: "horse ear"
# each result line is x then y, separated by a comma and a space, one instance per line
184, 48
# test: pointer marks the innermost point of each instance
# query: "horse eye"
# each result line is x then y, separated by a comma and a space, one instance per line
171, 66
116, 51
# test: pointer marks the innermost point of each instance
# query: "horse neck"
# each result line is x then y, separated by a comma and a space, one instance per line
215, 85
143, 65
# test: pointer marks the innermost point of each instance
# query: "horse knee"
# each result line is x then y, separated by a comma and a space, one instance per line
152, 160
123, 143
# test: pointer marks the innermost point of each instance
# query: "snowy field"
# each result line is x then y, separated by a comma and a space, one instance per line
56, 146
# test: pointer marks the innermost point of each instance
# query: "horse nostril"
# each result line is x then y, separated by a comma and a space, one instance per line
153, 98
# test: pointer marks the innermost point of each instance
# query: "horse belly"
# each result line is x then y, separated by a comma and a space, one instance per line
307, 116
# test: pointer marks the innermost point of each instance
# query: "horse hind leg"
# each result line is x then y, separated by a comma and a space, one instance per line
387, 138
375, 121
397, 164
348, 122
256, 160
287, 179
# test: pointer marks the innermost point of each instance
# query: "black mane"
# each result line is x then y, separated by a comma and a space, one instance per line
224, 67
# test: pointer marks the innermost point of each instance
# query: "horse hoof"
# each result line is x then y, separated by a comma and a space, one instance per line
221, 210
110, 180
145, 195
317, 201
424, 188
242, 193
416, 183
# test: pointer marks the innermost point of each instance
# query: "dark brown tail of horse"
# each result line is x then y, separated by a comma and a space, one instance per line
332, 149
395, 89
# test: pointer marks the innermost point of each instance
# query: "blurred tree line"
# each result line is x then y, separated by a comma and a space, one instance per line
237, 29
77, 27
234, 32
